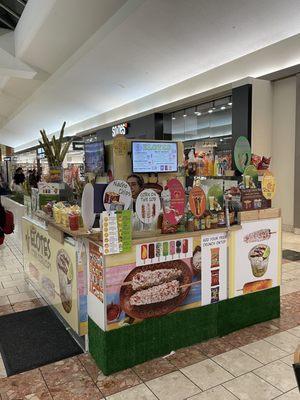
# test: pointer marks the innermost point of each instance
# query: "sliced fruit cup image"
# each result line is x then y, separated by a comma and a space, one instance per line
259, 259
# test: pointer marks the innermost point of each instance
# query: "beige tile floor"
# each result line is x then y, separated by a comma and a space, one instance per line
259, 367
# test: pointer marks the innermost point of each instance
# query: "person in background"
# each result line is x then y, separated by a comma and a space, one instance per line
136, 184
18, 180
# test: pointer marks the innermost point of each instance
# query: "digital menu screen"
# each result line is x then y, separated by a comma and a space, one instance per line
94, 157
154, 157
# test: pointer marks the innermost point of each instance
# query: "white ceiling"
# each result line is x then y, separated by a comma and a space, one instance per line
94, 56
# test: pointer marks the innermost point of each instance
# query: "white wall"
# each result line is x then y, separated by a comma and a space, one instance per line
283, 147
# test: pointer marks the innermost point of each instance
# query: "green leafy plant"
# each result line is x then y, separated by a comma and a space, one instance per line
55, 150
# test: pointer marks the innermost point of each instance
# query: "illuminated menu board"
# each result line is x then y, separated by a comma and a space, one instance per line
154, 157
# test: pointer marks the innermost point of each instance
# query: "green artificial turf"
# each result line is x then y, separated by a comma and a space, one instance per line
125, 347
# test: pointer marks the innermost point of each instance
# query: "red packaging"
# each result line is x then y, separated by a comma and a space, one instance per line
265, 163
74, 222
255, 160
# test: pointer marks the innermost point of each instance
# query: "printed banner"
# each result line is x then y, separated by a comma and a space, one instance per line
214, 268
256, 260
160, 252
96, 270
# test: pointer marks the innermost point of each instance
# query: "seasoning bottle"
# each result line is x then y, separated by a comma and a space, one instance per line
221, 218
208, 221
190, 222
202, 224
214, 220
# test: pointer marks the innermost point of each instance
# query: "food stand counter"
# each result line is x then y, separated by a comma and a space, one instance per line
172, 291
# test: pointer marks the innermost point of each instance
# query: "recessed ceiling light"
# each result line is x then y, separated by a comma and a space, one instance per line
210, 111
184, 115
223, 108
230, 103
173, 117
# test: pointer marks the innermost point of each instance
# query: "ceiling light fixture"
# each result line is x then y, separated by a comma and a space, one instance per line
230, 103
210, 111
173, 117
184, 115
223, 108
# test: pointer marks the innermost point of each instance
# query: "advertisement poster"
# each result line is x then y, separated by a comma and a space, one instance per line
197, 201
148, 206
268, 185
242, 153
160, 252
94, 157
135, 293
213, 189
117, 196
252, 199
250, 177
52, 269
173, 201
256, 260
96, 270
214, 268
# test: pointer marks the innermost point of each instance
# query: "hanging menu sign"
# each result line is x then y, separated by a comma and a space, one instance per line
148, 206
173, 200
168, 250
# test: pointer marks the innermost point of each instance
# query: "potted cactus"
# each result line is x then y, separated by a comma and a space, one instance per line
55, 151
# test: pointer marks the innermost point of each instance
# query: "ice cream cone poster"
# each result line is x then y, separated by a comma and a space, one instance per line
173, 201
268, 185
242, 153
148, 206
197, 201
117, 196
257, 257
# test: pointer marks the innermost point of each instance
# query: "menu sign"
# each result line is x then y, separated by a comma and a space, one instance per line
252, 199
168, 250
197, 201
173, 200
148, 206
116, 232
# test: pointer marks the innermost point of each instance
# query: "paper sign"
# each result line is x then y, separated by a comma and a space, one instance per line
252, 199
96, 270
197, 201
117, 196
168, 250
214, 268
242, 153
148, 206
268, 185
110, 233
173, 200
124, 230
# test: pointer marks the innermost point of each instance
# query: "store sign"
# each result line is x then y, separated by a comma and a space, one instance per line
78, 145
121, 129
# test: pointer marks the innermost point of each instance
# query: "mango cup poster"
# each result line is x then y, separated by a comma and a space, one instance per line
255, 262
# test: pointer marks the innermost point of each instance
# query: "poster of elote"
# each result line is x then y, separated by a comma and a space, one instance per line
137, 292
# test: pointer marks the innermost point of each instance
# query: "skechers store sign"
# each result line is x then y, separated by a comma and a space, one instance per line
121, 129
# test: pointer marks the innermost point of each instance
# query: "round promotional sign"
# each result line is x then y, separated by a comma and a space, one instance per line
87, 206
117, 196
242, 153
148, 206
197, 201
268, 185
173, 200
250, 177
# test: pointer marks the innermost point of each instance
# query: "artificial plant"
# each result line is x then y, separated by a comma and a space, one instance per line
55, 151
